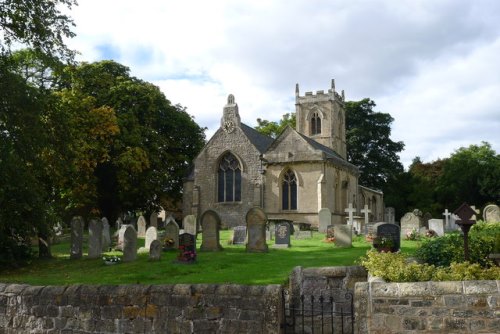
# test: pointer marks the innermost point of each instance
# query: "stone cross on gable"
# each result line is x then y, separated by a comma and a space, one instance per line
350, 210
366, 211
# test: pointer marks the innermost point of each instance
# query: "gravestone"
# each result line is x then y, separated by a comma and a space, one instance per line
121, 234
350, 213
256, 220
425, 218
170, 218
189, 224
303, 234
210, 226
76, 249
239, 235
171, 233
153, 219
390, 215
187, 248
154, 249
129, 244
282, 234
491, 213
390, 231
325, 219
343, 235
437, 225
330, 233
95, 238
411, 221
151, 235
141, 227
453, 222
106, 236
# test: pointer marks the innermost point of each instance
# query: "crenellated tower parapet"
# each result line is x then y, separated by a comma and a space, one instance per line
321, 116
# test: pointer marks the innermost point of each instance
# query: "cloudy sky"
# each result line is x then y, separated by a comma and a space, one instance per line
433, 65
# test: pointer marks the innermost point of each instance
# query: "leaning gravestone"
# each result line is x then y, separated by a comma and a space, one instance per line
171, 235
343, 235
256, 220
210, 226
390, 215
129, 244
151, 235
187, 248
153, 219
437, 225
239, 235
491, 213
282, 234
391, 232
106, 237
155, 249
189, 224
76, 250
325, 219
141, 227
411, 221
95, 238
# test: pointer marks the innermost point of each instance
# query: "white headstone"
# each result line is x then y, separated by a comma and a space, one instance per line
325, 219
343, 235
350, 210
141, 227
151, 235
437, 225
447, 222
412, 221
189, 224
491, 213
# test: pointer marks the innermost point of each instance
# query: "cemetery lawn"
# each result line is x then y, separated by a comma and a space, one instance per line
232, 265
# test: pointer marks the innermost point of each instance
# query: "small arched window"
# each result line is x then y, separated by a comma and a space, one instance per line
229, 179
315, 124
289, 191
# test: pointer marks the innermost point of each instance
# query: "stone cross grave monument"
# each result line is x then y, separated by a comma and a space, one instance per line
129, 244
76, 250
350, 211
239, 235
210, 227
366, 212
95, 238
390, 215
256, 220
325, 219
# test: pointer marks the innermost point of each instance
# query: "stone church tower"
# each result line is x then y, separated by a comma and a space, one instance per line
322, 118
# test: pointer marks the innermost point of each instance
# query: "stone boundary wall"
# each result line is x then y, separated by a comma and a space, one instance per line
428, 307
181, 308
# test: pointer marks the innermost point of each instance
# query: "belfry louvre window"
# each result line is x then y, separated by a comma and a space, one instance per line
315, 124
229, 179
289, 191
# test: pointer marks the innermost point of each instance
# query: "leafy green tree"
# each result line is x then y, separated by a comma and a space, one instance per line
273, 129
369, 145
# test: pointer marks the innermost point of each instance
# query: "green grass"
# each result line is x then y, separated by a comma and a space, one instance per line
232, 265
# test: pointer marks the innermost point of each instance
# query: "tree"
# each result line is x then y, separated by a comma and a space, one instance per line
273, 129
369, 145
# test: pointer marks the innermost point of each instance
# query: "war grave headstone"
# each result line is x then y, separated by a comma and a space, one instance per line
151, 235
155, 249
153, 219
171, 240
282, 234
437, 225
210, 227
189, 224
141, 227
106, 236
388, 237
343, 235
411, 221
325, 219
390, 215
129, 244
239, 235
95, 238
187, 248
491, 213
256, 220
76, 249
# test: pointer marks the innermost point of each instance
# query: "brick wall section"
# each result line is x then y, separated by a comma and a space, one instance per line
428, 307
181, 308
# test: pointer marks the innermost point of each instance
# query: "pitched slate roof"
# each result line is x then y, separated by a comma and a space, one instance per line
260, 141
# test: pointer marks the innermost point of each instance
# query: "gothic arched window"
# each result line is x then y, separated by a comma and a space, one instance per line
289, 191
229, 179
315, 124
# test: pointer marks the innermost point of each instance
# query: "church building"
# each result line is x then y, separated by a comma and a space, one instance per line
291, 177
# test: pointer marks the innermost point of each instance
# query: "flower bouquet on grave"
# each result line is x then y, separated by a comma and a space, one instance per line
110, 260
186, 255
168, 244
383, 244
412, 235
